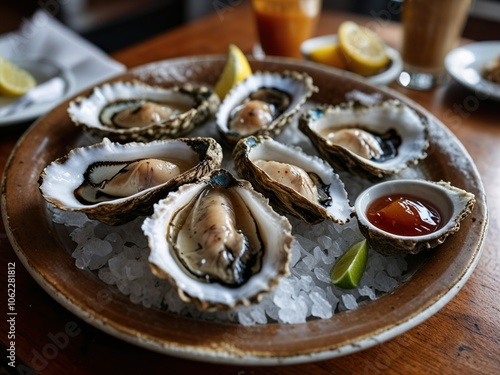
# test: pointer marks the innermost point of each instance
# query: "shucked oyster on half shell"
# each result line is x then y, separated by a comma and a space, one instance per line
295, 182
135, 111
262, 104
367, 140
115, 183
218, 242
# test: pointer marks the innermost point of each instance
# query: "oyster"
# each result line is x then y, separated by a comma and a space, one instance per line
263, 104
115, 183
300, 184
125, 111
448, 204
367, 140
219, 242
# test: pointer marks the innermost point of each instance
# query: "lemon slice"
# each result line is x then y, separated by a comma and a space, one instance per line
351, 265
330, 54
14, 81
364, 51
236, 69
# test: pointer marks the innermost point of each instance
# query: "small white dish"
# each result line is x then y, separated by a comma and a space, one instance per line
42, 71
383, 78
465, 63
451, 203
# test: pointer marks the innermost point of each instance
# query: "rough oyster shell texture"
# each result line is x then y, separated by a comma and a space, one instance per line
166, 112
206, 269
60, 180
299, 184
296, 86
390, 118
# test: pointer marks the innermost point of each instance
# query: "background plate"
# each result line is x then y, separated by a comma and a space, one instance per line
383, 78
42, 71
465, 64
437, 278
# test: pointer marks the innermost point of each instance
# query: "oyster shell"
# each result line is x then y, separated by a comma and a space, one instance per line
300, 184
126, 111
367, 140
451, 203
219, 242
115, 183
262, 104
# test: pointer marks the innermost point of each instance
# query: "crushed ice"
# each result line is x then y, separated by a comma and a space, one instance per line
119, 257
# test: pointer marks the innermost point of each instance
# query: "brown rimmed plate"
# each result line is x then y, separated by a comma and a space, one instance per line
443, 272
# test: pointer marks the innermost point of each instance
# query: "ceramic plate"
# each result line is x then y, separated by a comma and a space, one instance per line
436, 277
42, 71
466, 63
383, 78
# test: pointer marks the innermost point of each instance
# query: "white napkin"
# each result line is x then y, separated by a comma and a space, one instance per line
43, 38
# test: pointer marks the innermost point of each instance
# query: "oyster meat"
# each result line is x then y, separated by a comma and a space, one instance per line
219, 242
114, 183
296, 183
367, 140
135, 111
258, 110
263, 104
105, 181
140, 113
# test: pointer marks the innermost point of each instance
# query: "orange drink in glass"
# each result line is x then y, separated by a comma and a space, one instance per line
283, 25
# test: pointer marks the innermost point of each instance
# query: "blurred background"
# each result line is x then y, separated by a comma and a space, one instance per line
115, 24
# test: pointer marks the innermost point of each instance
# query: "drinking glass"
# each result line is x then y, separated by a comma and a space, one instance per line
283, 25
431, 28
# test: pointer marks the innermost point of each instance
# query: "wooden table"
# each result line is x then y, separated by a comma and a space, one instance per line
462, 338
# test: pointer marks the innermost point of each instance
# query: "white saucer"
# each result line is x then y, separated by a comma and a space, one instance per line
42, 71
465, 63
383, 78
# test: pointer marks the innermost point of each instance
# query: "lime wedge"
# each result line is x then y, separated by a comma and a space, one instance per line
349, 269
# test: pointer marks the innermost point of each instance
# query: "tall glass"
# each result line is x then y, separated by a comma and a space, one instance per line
283, 25
431, 28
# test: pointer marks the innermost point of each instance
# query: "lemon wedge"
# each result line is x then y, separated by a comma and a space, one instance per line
364, 51
236, 69
14, 81
329, 54
350, 267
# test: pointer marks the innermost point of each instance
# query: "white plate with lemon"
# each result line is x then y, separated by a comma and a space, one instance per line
17, 77
356, 49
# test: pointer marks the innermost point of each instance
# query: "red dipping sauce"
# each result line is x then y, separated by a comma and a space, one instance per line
404, 215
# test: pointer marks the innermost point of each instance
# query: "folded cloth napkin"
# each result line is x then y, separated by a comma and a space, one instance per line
43, 38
